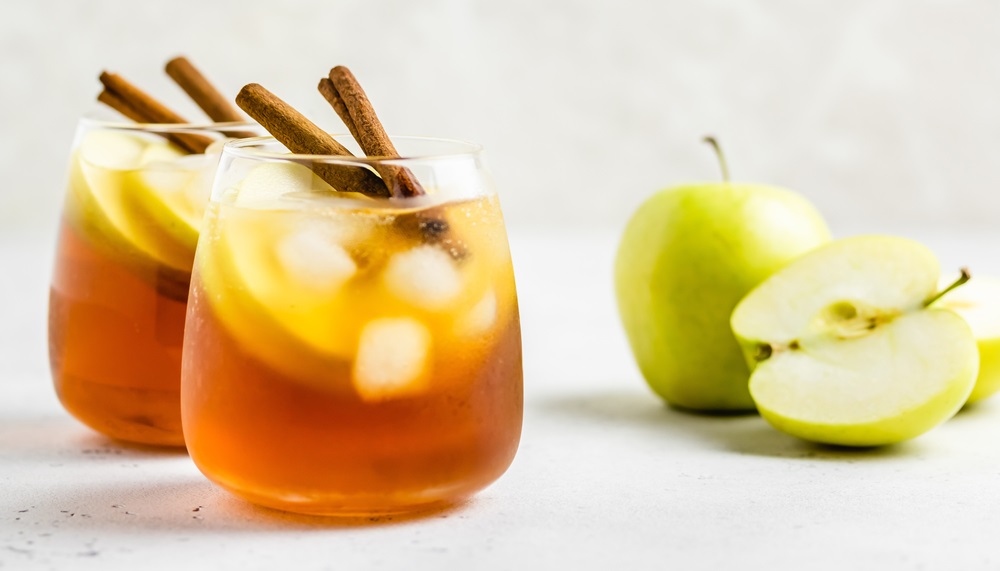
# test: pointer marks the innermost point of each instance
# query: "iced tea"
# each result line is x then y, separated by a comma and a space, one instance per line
347, 355
127, 238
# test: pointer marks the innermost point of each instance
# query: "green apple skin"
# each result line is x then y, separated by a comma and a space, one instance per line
905, 426
889, 370
688, 255
988, 382
979, 303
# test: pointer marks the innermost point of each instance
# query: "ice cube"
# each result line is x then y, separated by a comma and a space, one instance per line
391, 359
425, 276
481, 317
314, 259
348, 229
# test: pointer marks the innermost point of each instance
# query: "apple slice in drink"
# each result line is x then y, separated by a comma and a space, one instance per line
117, 197
97, 184
254, 327
172, 190
272, 266
845, 349
299, 274
978, 302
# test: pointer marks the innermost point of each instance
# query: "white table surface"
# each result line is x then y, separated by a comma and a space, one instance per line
606, 476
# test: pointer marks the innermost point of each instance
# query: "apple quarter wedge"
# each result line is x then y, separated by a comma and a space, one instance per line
978, 302
844, 350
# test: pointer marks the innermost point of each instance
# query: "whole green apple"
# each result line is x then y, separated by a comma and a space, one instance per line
689, 254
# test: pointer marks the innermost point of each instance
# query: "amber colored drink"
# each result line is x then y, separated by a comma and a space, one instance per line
114, 344
340, 358
120, 284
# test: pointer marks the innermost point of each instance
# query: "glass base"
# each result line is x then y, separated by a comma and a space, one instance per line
147, 417
353, 506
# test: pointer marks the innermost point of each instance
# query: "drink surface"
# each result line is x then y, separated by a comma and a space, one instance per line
347, 360
119, 287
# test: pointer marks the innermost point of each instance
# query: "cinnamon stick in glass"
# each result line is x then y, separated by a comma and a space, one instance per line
302, 136
211, 101
342, 90
139, 106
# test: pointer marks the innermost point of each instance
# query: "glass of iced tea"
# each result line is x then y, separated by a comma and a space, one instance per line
349, 355
130, 223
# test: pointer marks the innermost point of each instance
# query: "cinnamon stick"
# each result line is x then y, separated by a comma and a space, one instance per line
342, 90
302, 136
329, 92
216, 105
142, 102
211, 101
121, 106
139, 106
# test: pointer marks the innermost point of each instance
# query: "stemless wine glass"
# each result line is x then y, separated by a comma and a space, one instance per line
130, 223
347, 355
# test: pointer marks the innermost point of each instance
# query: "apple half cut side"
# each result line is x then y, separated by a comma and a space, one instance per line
845, 350
978, 302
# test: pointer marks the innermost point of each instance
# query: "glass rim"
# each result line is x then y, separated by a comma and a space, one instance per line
126, 125
250, 148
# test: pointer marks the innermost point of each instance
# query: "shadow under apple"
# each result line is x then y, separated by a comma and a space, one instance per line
743, 433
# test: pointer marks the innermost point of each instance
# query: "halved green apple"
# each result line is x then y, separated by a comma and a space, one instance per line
978, 302
845, 350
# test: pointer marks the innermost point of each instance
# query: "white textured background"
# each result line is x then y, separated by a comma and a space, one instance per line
885, 113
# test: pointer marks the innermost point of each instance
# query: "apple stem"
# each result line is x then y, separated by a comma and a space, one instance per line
964, 277
720, 155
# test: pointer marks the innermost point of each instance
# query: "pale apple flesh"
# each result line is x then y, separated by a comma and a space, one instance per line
142, 192
978, 302
687, 257
844, 350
